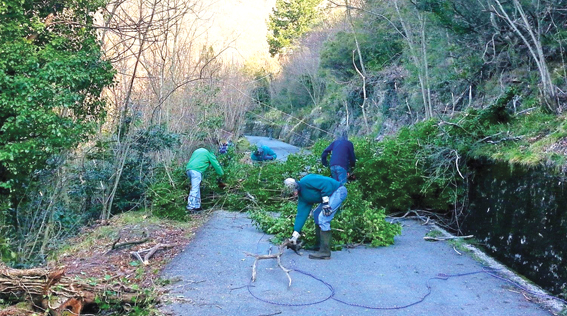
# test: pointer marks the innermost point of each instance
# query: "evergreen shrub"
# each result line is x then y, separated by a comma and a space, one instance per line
168, 194
424, 166
406, 171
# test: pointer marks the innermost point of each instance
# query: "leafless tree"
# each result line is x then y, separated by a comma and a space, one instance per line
530, 29
413, 30
362, 71
415, 37
166, 72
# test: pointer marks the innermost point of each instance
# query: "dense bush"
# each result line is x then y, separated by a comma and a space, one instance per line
6, 254
397, 173
378, 48
51, 80
72, 192
425, 166
168, 194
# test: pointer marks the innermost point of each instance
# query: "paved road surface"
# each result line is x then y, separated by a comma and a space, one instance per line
213, 270
280, 148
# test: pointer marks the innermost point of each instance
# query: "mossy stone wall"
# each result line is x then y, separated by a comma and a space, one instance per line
520, 215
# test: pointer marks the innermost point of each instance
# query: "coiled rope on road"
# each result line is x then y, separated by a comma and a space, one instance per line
441, 276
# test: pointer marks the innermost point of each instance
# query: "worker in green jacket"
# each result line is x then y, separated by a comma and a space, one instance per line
262, 153
310, 190
200, 161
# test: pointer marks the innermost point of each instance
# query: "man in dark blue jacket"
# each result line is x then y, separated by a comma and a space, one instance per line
342, 158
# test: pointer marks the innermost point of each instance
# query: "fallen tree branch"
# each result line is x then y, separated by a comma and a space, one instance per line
136, 255
276, 256
354, 245
272, 314
525, 111
513, 138
457, 251
115, 242
154, 250
417, 215
51, 290
447, 238
487, 137
149, 252
130, 243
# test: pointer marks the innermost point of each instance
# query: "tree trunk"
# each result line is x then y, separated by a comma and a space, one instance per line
533, 43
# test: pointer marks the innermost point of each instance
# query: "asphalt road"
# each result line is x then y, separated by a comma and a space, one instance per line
280, 148
214, 274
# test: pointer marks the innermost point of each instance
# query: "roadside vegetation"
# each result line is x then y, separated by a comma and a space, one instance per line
377, 66
102, 103
99, 262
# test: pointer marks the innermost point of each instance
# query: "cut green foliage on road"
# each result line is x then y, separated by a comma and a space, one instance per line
257, 188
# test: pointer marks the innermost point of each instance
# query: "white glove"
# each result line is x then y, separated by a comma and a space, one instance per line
326, 207
294, 237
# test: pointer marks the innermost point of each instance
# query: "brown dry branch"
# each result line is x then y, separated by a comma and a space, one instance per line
150, 252
51, 290
276, 256
130, 243
446, 238
16, 311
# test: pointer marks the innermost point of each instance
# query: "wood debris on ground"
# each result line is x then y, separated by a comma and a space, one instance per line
97, 267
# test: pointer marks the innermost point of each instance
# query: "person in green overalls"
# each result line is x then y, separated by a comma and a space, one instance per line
316, 189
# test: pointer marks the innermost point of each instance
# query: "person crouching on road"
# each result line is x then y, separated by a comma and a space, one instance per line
342, 158
262, 153
200, 160
312, 189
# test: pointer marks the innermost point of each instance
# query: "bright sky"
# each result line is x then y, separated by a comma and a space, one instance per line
242, 22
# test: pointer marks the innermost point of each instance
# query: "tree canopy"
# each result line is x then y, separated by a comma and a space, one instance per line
289, 20
52, 73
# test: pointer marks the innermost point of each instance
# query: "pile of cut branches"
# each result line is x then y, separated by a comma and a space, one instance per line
111, 267
51, 290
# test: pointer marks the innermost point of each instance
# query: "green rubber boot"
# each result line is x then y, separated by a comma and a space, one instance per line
325, 252
317, 245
